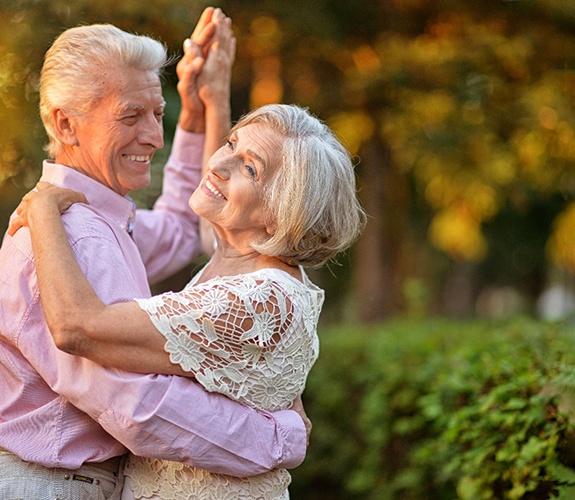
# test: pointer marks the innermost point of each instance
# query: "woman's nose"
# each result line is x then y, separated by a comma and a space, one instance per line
221, 167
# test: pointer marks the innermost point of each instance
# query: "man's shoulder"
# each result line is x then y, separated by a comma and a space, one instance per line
82, 221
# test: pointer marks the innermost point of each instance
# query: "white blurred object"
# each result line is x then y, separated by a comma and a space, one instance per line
556, 302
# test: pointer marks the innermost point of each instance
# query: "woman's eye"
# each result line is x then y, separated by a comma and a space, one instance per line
230, 145
251, 171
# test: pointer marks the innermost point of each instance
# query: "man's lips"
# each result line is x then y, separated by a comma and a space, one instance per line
139, 158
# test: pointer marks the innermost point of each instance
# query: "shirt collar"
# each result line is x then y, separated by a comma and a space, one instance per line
114, 207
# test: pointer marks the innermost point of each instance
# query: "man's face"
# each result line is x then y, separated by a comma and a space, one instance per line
116, 140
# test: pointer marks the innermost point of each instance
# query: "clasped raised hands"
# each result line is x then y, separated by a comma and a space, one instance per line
204, 72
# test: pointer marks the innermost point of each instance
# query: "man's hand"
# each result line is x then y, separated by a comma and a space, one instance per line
192, 115
204, 30
297, 406
196, 50
204, 72
214, 82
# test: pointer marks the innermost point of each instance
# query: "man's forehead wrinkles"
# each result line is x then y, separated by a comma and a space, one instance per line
140, 107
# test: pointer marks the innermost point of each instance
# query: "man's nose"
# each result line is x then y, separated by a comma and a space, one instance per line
152, 132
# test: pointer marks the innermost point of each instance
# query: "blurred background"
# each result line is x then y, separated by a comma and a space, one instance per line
446, 324
460, 115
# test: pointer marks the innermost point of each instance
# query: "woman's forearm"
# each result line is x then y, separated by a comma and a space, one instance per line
65, 293
119, 335
218, 118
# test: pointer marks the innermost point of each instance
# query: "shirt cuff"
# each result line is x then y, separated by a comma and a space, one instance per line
294, 437
187, 147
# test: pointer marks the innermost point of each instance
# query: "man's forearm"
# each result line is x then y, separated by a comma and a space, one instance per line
167, 237
207, 430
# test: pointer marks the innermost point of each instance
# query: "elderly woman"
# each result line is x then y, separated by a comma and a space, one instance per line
280, 195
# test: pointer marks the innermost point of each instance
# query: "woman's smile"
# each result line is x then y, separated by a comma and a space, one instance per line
213, 190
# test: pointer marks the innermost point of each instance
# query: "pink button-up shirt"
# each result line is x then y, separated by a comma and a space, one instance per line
60, 410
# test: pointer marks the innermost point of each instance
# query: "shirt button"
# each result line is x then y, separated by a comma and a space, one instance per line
66, 476
97, 481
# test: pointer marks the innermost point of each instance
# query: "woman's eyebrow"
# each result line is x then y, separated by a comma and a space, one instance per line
251, 152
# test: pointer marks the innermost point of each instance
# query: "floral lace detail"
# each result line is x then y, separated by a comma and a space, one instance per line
251, 337
174, 481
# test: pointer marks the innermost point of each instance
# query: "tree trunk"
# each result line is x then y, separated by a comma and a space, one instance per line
378, 270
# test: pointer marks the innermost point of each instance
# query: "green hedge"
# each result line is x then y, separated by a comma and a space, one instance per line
438, 409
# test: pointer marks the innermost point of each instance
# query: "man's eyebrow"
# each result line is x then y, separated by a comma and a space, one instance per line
140, 107
132, 107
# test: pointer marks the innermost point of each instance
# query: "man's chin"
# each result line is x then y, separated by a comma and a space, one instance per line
135, 186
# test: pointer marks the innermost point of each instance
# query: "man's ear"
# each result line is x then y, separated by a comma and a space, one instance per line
65, 128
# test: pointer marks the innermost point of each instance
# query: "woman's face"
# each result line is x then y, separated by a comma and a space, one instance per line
230, 195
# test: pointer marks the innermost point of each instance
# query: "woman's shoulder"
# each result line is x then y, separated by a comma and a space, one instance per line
265, 277
283, 277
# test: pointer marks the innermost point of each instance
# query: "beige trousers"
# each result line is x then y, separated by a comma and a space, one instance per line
20, 480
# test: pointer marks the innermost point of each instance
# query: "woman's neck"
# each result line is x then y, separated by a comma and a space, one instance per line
231, 262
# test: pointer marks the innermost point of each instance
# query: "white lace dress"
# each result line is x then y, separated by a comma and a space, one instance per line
251, 337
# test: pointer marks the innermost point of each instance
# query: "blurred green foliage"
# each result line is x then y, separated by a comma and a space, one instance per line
460, 114
440, 410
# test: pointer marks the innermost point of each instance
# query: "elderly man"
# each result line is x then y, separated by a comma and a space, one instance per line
65, 422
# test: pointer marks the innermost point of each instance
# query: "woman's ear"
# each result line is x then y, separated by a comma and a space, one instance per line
271, 228
65, 129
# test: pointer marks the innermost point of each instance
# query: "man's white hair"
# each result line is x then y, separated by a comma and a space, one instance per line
71, 75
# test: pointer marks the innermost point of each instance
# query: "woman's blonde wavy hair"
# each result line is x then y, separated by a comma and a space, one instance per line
311, 200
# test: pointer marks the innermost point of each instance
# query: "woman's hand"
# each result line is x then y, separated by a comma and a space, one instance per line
44, 197
297, 406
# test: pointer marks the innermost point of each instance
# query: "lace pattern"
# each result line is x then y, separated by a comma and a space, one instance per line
163, 480
251, 337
